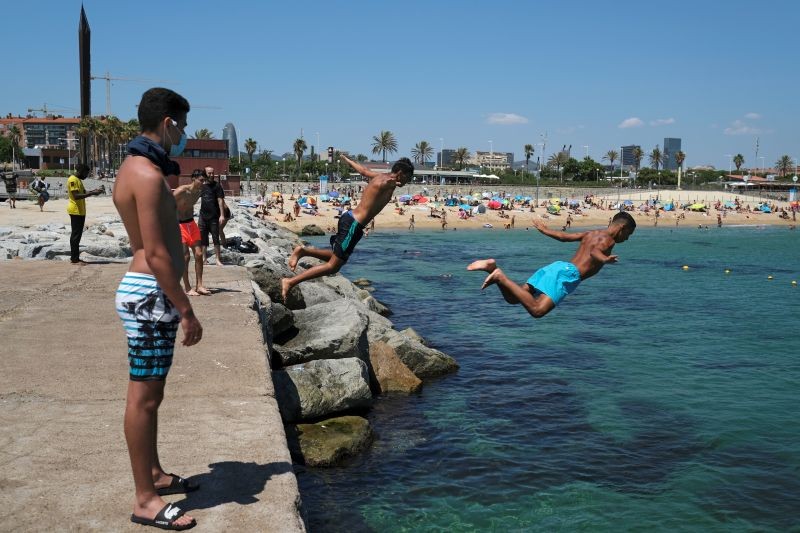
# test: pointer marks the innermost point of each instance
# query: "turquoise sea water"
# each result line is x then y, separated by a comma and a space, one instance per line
653, 398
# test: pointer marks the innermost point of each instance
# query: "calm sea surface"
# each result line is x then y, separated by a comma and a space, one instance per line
653, 398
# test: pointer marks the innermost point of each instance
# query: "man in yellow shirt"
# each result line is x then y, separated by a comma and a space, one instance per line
76, 208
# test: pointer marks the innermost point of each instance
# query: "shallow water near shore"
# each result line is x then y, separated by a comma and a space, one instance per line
653, 398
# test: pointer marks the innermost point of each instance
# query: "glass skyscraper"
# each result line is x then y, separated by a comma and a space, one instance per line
229, 134
671, 147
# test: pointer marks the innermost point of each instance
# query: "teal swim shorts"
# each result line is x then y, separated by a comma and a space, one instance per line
556, 280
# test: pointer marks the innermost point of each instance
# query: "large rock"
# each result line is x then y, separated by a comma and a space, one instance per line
312, 229
270, 282
329, 442
424, 362
390, 374
332, 330
320, 388
316, 292
413, 335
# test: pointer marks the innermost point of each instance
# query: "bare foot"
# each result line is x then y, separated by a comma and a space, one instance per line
297, 253
192, 292
285, 288
80, 263
491, 279
202, 290
487, 265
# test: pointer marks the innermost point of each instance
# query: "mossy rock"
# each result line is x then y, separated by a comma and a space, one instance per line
329, 442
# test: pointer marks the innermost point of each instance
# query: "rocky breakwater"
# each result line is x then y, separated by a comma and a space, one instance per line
332, 349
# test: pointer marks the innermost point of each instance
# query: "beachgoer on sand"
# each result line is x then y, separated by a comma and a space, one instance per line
11, 189
40, 188
76, 209
185, 198
351, 224
551, 284
150, 300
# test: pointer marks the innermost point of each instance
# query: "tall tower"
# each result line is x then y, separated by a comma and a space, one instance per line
671, 147
229, 133
84, 58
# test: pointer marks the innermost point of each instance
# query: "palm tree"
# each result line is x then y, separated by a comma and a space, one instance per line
528, 148
250, 146
784, 165
461, 156
738, 160
679, 159
16, 135
299, 147
203, 133
422, 152
611, 156
384, 142
655, 158
558, 160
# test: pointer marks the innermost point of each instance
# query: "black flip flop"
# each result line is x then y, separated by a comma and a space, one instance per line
165, 519
178, 485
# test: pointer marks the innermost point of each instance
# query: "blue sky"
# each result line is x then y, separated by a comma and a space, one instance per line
602, 74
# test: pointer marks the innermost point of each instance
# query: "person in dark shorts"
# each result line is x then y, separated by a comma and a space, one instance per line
378, 193
211, 209
11, 189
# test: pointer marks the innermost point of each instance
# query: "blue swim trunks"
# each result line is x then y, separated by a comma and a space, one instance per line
556, 280
151, 324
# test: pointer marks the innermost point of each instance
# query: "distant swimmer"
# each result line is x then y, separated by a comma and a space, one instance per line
351, 224
549, 285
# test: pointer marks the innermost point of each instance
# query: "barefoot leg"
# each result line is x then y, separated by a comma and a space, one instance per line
513, 293
487, 265
297, 254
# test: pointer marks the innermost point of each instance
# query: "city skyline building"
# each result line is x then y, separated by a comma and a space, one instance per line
628, 160
229, 134
672, 145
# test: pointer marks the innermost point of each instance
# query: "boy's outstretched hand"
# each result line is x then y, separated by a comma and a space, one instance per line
539, 224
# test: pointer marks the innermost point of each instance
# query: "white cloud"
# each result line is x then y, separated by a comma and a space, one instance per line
739, 127
633, 122
506, 118
662, 121
753, 116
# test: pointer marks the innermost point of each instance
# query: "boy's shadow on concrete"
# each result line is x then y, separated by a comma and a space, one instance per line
231, 482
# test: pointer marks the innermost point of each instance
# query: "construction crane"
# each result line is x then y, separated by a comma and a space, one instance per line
44, 109
108, 79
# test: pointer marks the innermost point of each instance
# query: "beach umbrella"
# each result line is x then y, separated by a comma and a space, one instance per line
465, 207
628, 202
333, 194
494, 204
417, 197
765, 209
405, 198
345, 199
481, 208
730, 205
486, 195
275, 193
697, 207
324, 198
422, 200
669, 207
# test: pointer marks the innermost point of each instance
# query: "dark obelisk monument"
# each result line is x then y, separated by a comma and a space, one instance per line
84, 53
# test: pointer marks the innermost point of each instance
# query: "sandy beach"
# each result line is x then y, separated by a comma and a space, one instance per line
27, 213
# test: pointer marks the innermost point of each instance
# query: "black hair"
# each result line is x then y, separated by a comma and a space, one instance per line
80, 168
197, 173
404, 166
158, 103
624, 218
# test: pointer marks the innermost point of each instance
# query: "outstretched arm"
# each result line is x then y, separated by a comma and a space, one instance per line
599, 255
558, 235
361, 169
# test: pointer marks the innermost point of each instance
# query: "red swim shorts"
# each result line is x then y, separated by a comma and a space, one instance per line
190, 233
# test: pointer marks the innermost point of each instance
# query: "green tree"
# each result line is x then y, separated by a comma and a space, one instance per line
421, 152
558, 160
572, 167
738, 161
6, 151
460, 156
784, 165
528, 148
384, 142
299, 147
250, 146
611, 156
638, 155
203, 133
655, 158
15, 136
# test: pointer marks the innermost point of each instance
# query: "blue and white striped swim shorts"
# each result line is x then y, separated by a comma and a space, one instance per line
151, 323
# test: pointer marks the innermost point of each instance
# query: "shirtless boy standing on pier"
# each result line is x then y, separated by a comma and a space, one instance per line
551, 284
185, 197
376, 195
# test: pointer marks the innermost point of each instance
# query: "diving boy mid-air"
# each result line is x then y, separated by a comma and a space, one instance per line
376, 195
550, 284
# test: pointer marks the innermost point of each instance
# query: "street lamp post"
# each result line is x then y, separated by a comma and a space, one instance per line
587, 149
763, 168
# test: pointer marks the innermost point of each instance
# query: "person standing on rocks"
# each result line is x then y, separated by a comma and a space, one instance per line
185, 198
351, 224
226, 211
150, 300
211, 209
11, 189
76, 209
